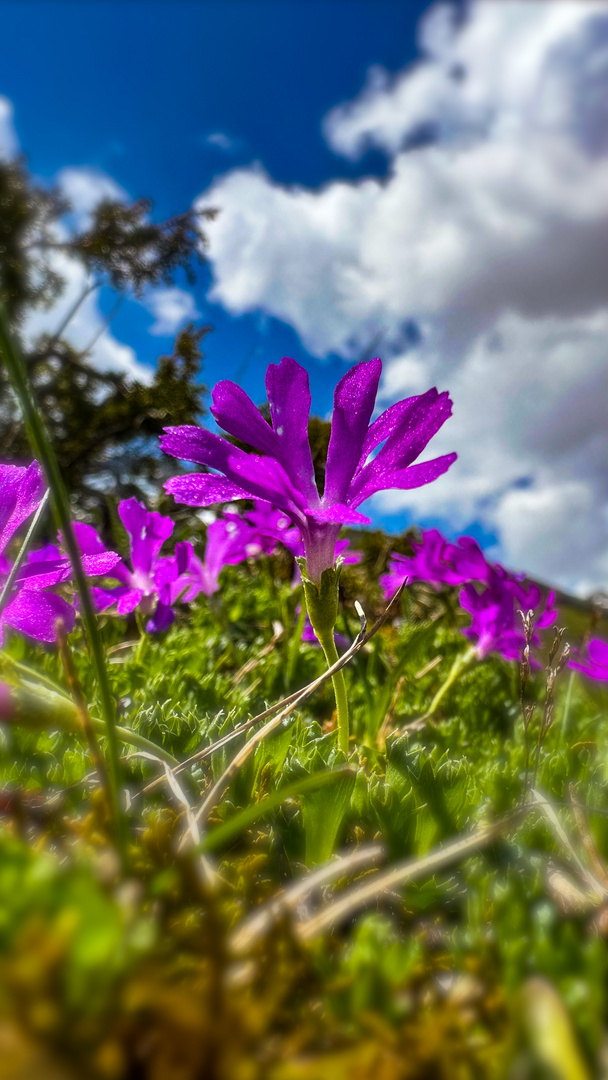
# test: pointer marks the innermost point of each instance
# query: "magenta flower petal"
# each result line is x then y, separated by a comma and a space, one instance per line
129, 600
338, 515
48, 553
288, 393
384, 426
235, 412
596, 666
92, 548
147, 532
410, 435
190, 443
354, 399
21, 490
403, 479
259, 477
203, 489
161, 619
89, 542
36, 614
102, 598
598, 652
42, 573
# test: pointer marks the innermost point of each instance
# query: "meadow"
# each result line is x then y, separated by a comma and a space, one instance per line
238, 843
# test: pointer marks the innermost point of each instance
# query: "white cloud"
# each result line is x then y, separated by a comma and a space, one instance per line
87, 324
489, 232
84, 187
171, 308
221, 141
9, 143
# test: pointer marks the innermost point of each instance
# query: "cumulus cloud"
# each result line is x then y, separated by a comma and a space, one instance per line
171, 308
489, 237
9, 143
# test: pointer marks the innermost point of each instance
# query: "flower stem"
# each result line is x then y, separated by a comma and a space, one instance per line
328, 645
43, 450
322, 606
295, 644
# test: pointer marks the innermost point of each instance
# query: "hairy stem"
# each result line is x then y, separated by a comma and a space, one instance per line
328, 645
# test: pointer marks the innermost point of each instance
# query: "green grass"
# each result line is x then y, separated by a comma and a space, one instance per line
196, 962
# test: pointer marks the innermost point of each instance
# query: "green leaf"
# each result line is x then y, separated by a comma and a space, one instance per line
322, 814
229, 829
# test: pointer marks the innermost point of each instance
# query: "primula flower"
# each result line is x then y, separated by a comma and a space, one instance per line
438, 562
596, 664
273, 526
152, 581
496, 625
30, 608
495, 621
362, 458
230, 540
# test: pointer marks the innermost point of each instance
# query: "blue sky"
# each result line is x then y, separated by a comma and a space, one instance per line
378, 166
136, 88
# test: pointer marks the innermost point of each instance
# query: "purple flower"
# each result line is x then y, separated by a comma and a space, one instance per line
438, 562
273, 526
146, 586
596, 665
230, 540
361, 459
495, 621
30, 610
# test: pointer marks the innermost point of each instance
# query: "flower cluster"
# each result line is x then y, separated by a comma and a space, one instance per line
491, 595
154, 582
32, 608
362, 458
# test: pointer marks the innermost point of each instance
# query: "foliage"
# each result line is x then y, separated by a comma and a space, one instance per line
160, 973
103, 424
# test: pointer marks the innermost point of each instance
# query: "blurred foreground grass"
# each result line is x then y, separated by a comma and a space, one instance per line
220, 956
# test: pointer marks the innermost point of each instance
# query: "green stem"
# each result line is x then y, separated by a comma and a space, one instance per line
322, 606
461, 662
328, 645
43, 450
295, 642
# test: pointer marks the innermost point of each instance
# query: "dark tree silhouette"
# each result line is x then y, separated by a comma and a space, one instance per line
104, 424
